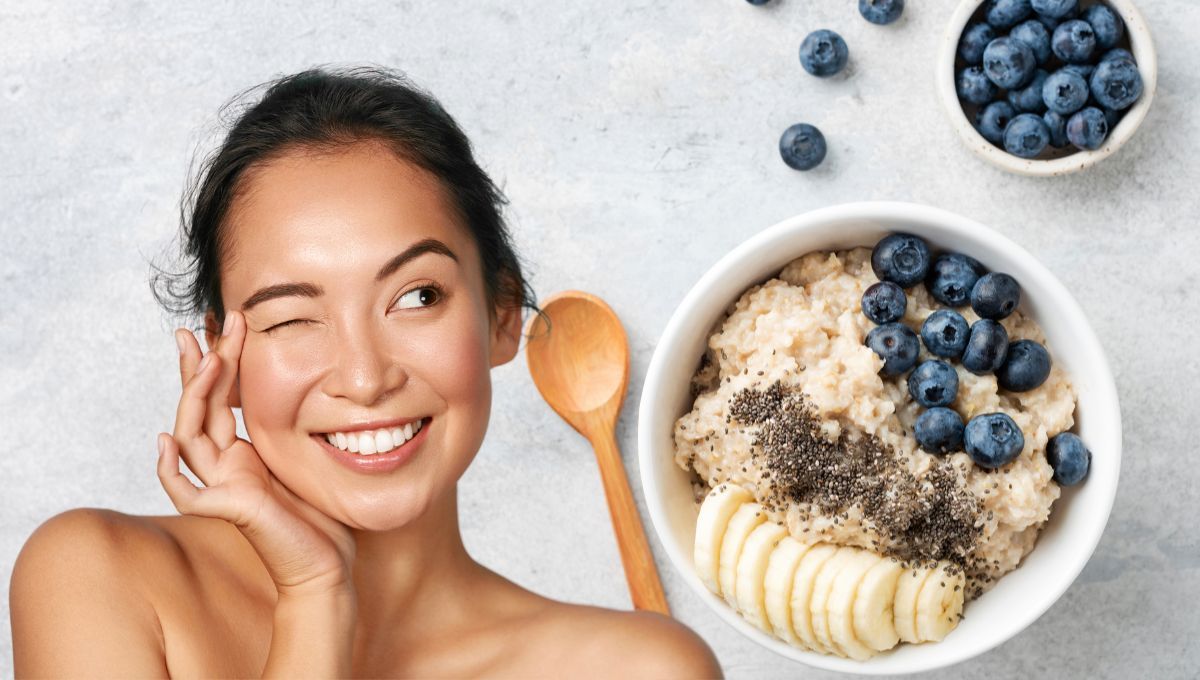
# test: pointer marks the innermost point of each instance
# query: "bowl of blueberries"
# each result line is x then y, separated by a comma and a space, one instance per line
1046, 87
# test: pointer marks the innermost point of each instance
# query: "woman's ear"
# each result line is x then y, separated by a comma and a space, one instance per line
212, 334
506, 334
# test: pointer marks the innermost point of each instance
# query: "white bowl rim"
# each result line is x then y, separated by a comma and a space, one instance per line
1142, 47
882, 211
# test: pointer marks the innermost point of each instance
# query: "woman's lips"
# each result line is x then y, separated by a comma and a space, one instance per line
378, 462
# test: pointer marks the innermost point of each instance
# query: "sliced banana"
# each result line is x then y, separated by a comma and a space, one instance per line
822, 587
802, 590
839, 608
874, 622
939, 603
744, 520
751, 570
905, 610
777, 587
718, 506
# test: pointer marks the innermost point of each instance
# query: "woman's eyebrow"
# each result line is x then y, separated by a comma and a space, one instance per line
278, 290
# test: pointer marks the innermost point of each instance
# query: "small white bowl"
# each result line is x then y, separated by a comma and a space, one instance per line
1142, 48
1078, 517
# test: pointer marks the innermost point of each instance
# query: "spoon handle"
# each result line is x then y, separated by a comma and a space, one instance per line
640, 571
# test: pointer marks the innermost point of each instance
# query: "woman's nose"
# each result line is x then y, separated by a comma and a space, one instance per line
365, 370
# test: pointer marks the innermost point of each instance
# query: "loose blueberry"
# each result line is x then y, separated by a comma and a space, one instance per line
986, 348
897, 345
802, 146
952, 276
1026, 136
1028, 99
973, 42
995, 295
1087, 128
1065, 92
993, 440
1084, 70
881, 12
1008, 63
933, 383
1034, 34
1108, 26
1006, 13
1069, 457
1073, 41
1058, 129
1026, 366
1116, 84
902, 259
1056, 9
884, 302
939, 430
975, 87
758, 2
823, 53
945, 333
1118, 53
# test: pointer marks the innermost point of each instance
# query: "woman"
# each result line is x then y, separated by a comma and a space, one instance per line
351, 255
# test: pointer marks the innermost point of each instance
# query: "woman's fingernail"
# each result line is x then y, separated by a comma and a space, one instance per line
204, 363
179, 342
228, 324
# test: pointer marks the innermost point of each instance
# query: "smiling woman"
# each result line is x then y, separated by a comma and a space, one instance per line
357, 284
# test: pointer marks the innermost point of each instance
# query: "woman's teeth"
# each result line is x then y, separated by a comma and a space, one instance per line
370, 442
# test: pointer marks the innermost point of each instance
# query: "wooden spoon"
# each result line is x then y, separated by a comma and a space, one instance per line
580, 364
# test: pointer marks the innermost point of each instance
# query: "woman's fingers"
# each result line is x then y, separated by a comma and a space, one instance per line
199, 451
219, 422
189, 354
187, 498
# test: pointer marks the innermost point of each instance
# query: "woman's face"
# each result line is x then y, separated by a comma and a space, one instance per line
364, 303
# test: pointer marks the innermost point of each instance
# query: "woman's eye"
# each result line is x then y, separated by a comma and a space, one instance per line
285, 324
419, 297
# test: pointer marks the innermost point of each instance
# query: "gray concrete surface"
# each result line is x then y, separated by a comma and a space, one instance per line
637, 143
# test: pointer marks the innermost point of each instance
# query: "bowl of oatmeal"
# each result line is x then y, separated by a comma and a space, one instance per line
761, 382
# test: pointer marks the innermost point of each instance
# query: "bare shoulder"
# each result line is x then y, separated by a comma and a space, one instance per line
81, 576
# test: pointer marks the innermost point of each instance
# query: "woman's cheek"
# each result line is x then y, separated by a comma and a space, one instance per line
274, 378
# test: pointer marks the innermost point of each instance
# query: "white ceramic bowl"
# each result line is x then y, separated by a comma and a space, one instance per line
1142, 48
1078, 517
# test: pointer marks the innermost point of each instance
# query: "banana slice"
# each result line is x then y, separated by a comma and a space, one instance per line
822, 587
751, 571
939, 604
839, 609
715, 511
874, 622
777, 587
802, 590
905, 609
745, 520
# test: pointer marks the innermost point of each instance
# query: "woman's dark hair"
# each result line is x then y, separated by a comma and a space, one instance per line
322, 109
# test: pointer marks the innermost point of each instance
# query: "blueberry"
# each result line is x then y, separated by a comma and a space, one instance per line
1087, 128
945, 333
823, 53
1028, 99
1073, 41
1049, 22
1026, 366
1108, 26
974, 39
974, 87
1034, 34
1084, 70
897, 345
881, 11
1056, 9
993, 440
1069, 457
758, 2
802, 146
933, 383
987, 346
884, 302
1065, 92
1006, 13
902, 259
939, 430
952, 276
1008, 63
1116, 84
992, 119
1026, 136
1118, 53
995, 295
1058, 129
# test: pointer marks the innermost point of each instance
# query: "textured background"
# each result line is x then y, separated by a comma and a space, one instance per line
637, 143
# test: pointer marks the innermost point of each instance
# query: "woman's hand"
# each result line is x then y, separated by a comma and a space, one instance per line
303, 549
